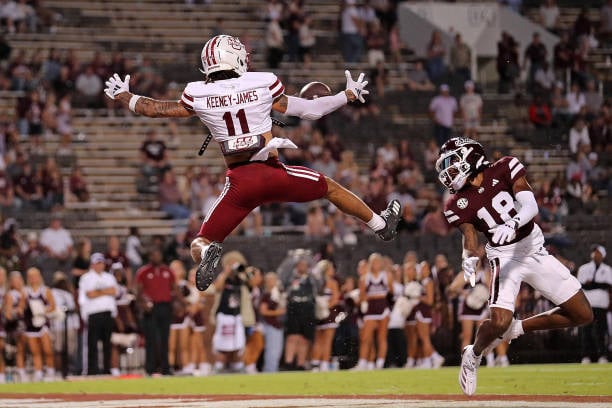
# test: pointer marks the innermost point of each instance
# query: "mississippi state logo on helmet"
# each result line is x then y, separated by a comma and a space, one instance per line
224, 53
460, 158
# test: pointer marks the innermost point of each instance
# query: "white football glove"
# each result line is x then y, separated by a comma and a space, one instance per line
469, 269
115, 86
504, 233
356, 87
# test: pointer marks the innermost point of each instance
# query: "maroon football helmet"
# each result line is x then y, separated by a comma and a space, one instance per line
460, 158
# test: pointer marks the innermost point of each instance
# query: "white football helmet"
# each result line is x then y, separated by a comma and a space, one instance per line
224, 53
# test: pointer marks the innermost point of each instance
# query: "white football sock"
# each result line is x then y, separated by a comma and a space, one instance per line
376, 223
380, 363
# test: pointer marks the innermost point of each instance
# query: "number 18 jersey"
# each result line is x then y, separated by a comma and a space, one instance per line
236, 107
492, 203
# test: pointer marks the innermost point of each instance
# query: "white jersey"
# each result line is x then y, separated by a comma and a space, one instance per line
237, 107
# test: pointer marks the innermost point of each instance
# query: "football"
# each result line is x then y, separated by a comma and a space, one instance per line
315, 90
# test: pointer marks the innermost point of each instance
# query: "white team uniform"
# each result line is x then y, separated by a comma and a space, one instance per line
237, 110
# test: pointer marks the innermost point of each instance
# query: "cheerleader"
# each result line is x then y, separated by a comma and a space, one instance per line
418, 323
39, 303
13, 314
326, 326
374, 286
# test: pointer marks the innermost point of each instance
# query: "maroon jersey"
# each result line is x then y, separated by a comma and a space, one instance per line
490, 204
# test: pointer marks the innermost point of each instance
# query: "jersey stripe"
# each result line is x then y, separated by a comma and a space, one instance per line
279, 92
187, 100
452, 219
514, 172
221, 196
302, 170
303, 175
271, 87
448, 212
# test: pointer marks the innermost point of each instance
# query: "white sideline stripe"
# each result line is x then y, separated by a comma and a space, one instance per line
284, 402
305, 171
515, 171
223, 193
306, 176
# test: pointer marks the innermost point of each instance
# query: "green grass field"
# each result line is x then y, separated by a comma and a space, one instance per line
566, 379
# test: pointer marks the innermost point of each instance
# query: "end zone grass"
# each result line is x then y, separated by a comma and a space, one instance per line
566, 379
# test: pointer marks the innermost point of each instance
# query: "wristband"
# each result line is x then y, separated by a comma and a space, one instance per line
132, 104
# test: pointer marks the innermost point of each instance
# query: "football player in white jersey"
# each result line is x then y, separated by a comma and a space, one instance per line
235, 106
496, 199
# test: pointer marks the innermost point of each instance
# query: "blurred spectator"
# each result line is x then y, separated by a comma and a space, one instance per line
170, 197
325, 163
563, 55
275, 44
539, 113
549, 15
97, 291
347, 171
307, 41
461, 59
579, 136
80, 264
559, 106
272, 308
535, 53
52, 184
64, 296
89, 87
549, 200
593, 100
10, 245
57, 242
155, 287
508, 67
605, 23
7, 193
517, 116
434, 221
582, 25
78, 185
300, 321
596, 279
376, 40
471, 110
435, 57
114, 254
379, 75
293, 22
376, 195
442, 110
133, 248
5, 48
544, 80
600, 133
417, 79
575, 99
351, 28
154, 154
125, 323
598, 175
28, 188
274, 10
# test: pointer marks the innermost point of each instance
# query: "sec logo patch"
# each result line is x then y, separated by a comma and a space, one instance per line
462, 203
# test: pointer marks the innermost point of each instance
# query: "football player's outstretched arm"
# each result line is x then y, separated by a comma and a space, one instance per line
119, 89
316, 108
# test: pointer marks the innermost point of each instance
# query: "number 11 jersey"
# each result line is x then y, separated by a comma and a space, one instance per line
234, 107
492, 203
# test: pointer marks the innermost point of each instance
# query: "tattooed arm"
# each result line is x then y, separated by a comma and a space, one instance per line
154, 108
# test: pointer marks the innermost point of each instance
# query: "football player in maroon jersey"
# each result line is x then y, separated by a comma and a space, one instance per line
235, 105
496, 199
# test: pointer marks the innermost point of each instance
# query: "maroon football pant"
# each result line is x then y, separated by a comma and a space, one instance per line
252, 184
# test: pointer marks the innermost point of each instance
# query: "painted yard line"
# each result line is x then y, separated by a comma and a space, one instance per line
283, 402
